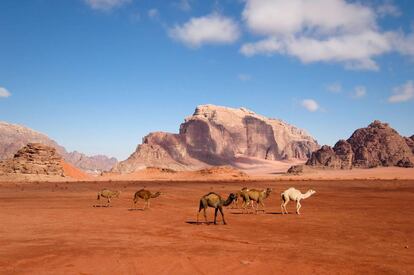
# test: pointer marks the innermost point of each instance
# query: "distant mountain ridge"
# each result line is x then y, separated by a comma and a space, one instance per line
216, 135
13, 137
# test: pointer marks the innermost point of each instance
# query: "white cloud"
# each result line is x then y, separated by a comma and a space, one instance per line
4, 92
281, 17
347, 33
153, 14
244, 77
334, 88
106, 5
359, 92
388, 8
210, 29
402, 93
310, 105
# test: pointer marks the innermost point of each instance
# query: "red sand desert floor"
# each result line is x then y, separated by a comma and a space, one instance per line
347, 227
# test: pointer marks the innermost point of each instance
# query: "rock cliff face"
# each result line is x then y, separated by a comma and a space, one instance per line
13, 137
34, 158
215, 135
376, 145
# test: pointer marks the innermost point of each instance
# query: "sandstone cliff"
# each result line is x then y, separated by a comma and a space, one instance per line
13, 137
376, 145
216, 135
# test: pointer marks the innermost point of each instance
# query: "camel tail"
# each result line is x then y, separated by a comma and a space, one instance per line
282, 196
99, 196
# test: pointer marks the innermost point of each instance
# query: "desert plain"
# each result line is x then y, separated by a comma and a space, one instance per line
350, 226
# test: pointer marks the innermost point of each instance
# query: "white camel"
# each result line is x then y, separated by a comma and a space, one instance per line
294, 195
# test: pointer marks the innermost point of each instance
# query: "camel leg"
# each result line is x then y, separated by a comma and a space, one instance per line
215, 215
263, 206
222, 214
298, 206
109, 201
205, 215
285, 202
148, 204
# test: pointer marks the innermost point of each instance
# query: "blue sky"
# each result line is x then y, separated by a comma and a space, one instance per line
98, 75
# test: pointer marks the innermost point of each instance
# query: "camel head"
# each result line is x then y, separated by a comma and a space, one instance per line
232, 196
268, 191
311, 192
157, 194
117, 194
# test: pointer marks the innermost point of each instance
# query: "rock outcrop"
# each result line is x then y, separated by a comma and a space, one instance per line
376, 145
13, 137
410, 142
215, 135
34, 158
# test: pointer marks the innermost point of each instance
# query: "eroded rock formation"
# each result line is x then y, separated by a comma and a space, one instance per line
376, 145
215, 135
34, 158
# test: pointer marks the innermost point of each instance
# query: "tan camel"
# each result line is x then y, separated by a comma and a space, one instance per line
239, 197
146, 196
108, 194
215, 201
294, 195
253, 195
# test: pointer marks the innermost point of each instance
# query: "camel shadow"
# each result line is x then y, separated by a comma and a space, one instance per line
198, 223
274, 213
136, 209
103, 206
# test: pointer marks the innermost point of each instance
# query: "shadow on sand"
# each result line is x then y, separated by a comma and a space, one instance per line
98, 205
136, 209
197, 223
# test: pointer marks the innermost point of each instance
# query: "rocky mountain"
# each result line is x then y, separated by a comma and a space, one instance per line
376, 145
216, 135
14, 137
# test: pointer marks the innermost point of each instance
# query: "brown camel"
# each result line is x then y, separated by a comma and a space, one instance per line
215, 201
146, 196
108, 194
239, 197
258, 196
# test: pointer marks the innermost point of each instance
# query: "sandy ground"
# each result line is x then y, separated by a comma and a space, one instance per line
348, 227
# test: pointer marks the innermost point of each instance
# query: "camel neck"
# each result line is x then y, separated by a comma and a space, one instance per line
228, 201
306, 195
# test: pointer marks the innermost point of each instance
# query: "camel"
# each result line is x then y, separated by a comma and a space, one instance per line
146, 196
108, 194
215, 201
258, 196
239, 197
294, 195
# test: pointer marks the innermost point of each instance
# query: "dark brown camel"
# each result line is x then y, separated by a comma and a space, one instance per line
215, 201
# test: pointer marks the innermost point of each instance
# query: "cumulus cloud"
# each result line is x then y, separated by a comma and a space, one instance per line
334, 88
347, 34
210, 29
310, 105
359, 92
105, 5
4, 92
402, 93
